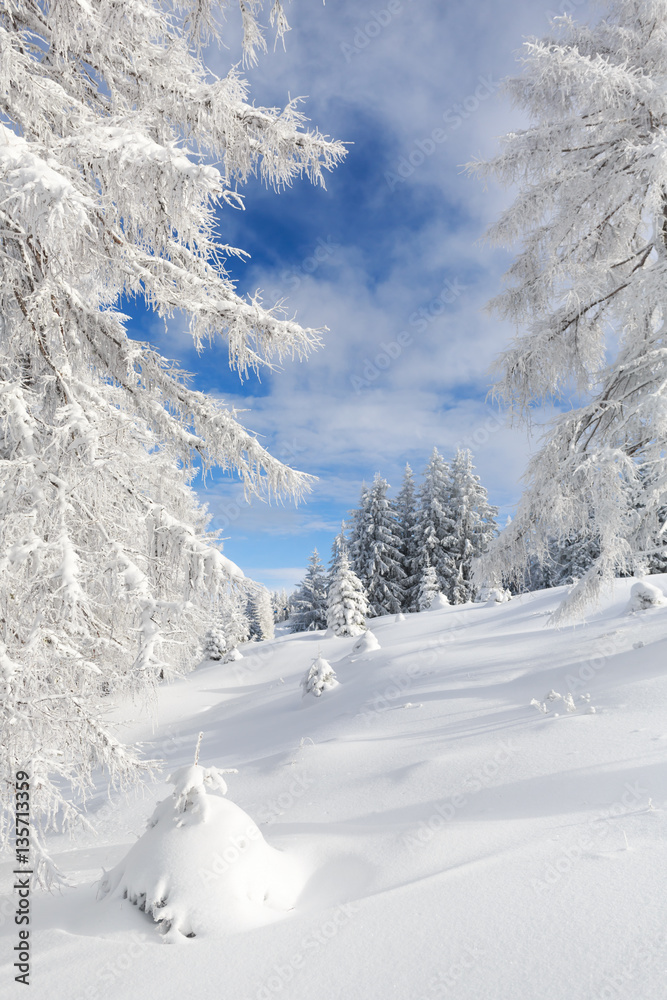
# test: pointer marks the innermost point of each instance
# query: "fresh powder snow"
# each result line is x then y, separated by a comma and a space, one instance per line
425, 833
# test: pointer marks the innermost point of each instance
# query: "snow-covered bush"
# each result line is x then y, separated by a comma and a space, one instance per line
203, 866
645, 595
319, 677
553, 699
493, 595
439, 602
366, 643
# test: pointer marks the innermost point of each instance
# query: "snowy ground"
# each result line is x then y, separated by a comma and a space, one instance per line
448, 837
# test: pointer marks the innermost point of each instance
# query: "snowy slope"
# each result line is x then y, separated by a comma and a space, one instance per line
448, 837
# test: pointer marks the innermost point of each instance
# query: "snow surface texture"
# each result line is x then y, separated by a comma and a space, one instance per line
452, 841
203, 866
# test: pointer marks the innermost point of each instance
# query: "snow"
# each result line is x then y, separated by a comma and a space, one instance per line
645, 595
440, 836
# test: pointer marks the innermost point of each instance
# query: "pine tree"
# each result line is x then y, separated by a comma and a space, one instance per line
471, 527
107, 119
260, 613
347, 607
310, 603
587, 287
434, 521
376, 550
406, 516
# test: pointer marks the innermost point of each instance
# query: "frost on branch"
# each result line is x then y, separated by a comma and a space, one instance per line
108, 575
586, 291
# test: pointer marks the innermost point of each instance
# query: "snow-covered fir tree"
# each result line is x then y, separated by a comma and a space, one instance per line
310, 602
434, 521
471, 525
347, 607
428, 588
214, 643
406, 517
280, 602
259, 612
319, 677
108, 116
375, 548
586, 290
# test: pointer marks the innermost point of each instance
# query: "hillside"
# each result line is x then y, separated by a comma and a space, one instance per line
448, 837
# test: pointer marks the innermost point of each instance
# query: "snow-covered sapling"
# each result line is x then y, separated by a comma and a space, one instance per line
645, 595
366, 643
202, 865
319, 677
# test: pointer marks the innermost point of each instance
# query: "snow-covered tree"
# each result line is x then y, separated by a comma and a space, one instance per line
347, 607
434, 521
108, 117
375, 548
428, 589
319, 677
406, 516
586, 290
280, 602
471, 524
310, 602
259, 612
214, 643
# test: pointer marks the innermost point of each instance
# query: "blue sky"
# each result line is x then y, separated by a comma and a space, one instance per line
389, 257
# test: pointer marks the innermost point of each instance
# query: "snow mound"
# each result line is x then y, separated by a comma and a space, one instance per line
232, 655
400, 617
438, 603
497, 595
319, 677
366, 643
203, 866
645, 595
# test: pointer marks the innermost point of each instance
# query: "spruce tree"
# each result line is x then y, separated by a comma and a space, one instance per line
428, 588
434, 521
376, 550
347, 607
260, 613
310, 603
471, 522
406, 517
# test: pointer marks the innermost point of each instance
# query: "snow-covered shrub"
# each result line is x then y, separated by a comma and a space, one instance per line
202, 866
319, 677
553, 697
494, 595
439, 602
232, 655
366, 643
645, 595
